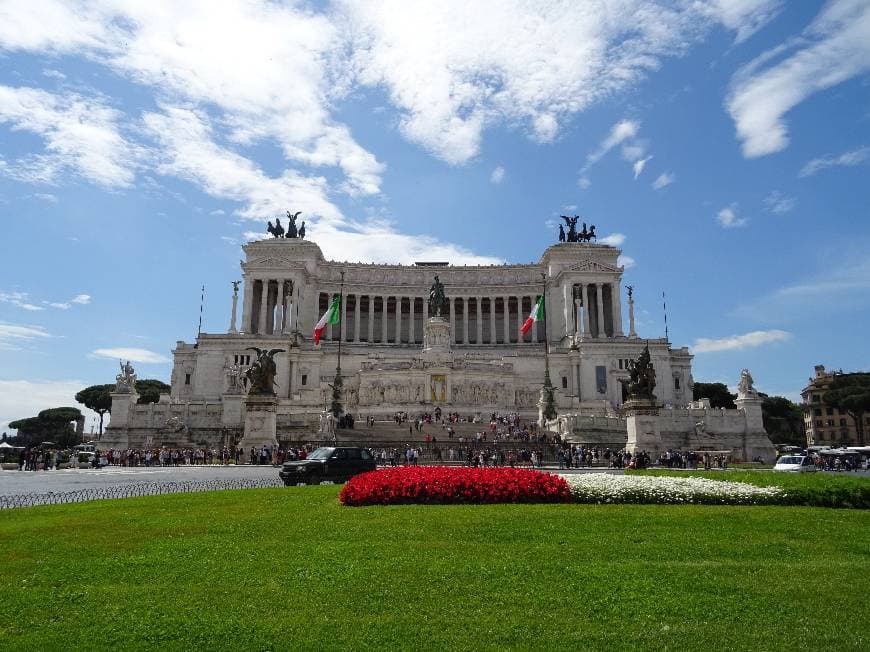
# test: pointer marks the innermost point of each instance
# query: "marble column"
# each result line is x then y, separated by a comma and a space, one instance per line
234, 310
599, 292
567, 302
520, 318
493, 331
384, 321
399, 320
425, 312
506, 308
582, 324
587, 303
478, 303
278, 325
343, 330
412, 335
631, 331
291, 313
264, 301
247, 307
465, 320
453, 337
533, 300
616, 304
371, 304
356, 317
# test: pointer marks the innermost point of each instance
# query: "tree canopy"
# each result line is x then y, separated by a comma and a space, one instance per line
150, 389
850, 393
97, 398
54, 425
718, 394
783, 420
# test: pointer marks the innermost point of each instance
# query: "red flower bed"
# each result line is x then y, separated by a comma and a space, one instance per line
445, 485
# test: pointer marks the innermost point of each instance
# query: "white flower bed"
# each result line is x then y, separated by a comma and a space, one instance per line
606, 488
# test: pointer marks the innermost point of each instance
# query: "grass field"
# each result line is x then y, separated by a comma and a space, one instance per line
291, 569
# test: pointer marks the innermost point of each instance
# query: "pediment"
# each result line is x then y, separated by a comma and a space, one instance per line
272, 261
594, 266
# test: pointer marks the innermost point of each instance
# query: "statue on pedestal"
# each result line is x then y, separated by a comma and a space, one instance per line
125, 382
437, 299
642, 378
746, 388
261, 374
276, 231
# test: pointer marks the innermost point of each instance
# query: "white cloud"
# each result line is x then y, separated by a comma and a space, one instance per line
853, 157
584, 182
561, 58
20, 300
614, 239
188, 150
740, 342
663, 180
779, 204
20, 399
13, 335
625, 261
639, 165
619, 133
218, 211
833, 49
81, 135
743, 16
81, 299
58, 305
729, 219
130, 353
376, 241
46, 196
497, 175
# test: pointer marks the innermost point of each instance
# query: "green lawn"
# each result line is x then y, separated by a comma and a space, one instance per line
813, 489
291, 569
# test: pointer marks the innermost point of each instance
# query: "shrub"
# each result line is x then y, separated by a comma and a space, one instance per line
452, 485
809, 489
662, 490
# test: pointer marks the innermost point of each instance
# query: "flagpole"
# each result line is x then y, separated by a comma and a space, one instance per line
337, 408
548, 404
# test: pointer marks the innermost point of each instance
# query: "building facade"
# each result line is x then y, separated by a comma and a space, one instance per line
480, 364
826, 425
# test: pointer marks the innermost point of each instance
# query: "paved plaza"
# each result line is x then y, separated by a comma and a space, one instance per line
63, 480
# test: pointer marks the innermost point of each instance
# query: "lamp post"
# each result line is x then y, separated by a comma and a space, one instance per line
548, 402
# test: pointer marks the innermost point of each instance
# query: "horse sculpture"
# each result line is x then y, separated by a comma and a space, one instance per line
261, 374
277, 231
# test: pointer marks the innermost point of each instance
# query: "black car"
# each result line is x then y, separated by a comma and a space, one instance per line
337, 464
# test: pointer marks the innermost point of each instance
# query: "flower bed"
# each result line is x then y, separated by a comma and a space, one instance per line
451, 485
605, 488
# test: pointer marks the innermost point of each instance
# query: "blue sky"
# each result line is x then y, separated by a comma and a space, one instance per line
724, 146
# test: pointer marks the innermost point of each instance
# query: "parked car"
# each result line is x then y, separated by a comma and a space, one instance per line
795, 463
336, 464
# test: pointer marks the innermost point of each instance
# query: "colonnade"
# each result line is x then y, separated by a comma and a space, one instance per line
592, 309
391, 318
269, 306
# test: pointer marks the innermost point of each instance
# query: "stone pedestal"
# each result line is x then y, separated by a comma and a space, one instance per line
232, 413
261, 422
436, 337
756, 443
642, 426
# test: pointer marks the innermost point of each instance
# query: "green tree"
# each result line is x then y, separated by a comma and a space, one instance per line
718, 394
150, 389
97, 398
53, 424
850, 393
783, 420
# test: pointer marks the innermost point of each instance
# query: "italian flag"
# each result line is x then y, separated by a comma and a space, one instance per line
329, 317
537, 314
